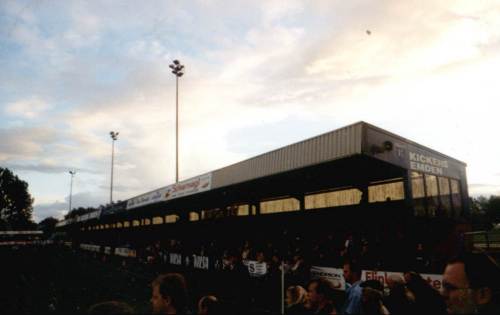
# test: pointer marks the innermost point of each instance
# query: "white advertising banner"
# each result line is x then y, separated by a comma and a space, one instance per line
334, 275
90, 247
175, 259
436, 281
200, 262
181, 189
189, 187
125, 252
157, 195
256, 269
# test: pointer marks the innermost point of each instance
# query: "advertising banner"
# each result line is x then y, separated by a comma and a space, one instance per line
200, 262
125, 252
334, 275
256, 269
157, 195
189, 187
181, 189
436, 281
175, 259
90, 247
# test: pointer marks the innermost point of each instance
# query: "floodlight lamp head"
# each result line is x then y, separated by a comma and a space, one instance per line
176, 62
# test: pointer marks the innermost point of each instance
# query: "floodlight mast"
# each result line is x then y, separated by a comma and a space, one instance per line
114, 137
178, 71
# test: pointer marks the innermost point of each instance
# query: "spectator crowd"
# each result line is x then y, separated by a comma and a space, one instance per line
223, 283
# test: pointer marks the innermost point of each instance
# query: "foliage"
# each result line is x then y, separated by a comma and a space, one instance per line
48, 225
78, 212
486, 210
16, 203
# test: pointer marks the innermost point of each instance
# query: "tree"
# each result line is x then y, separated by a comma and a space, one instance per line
48, 225
485, 211
16, 204
78, 212
492, 208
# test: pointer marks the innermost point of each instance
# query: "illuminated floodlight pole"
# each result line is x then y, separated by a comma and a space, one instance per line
72, 173
178, 71
114, 137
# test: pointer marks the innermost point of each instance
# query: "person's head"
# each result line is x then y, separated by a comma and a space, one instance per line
407, 275
296, 295
319, 292
470, 282
352, 272
169, 293
371, 301
394, 280
110, 308
208, 305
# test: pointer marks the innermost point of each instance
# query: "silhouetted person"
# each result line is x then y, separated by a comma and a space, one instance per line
296, 299
320, 297
169, 294
209, 305
427, 299
471, 284
352, 275
398, 301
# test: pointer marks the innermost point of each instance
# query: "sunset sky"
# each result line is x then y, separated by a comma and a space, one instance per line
259, 75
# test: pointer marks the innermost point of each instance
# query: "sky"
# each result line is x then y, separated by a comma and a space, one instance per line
259, 75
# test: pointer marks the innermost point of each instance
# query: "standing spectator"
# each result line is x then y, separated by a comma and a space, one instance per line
320, 297
169, 294
208, 305
296, 299
299, 271
398, 301
421, 259
352, 275
427, 299
372, 302
471, 284
366, 257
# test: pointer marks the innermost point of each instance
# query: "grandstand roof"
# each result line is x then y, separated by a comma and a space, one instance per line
360, 147
354, 140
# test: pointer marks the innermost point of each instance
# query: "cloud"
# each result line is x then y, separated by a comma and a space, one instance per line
45, 167
21, 143
55, 209
477, 189
304, 67
59, 208
27, 108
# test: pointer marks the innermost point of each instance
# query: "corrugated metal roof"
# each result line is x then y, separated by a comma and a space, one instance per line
329, 146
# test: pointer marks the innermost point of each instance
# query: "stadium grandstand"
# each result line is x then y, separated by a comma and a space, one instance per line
358, 184
248, 231
354, 169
